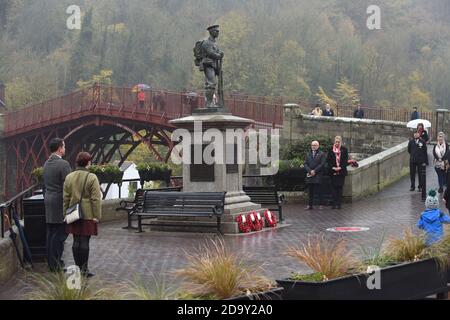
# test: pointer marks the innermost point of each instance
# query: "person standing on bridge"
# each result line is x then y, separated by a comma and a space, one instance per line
359, 113
440, 153
141, 98
314, 165
337, 160
418, 159
55, 171
81, 184
447, 190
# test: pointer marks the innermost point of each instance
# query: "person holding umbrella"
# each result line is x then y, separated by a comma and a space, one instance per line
423, 133
417, 149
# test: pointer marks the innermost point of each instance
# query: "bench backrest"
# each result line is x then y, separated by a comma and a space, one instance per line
139, 195
262, 195
195, 202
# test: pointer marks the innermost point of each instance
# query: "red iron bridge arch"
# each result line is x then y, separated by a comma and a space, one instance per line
109, 121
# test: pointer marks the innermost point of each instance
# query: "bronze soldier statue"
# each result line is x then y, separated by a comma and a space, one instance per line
208, 58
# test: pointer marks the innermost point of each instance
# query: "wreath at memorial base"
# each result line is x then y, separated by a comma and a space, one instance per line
271, 219
256, 221
243, 223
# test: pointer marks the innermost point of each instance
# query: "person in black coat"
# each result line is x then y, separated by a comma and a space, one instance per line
314, 165
328, 112
415, 114
418, 159
55, 171
446, 195
441, 152
337, 159
359, 113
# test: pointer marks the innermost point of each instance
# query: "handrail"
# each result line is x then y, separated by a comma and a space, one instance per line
6, 206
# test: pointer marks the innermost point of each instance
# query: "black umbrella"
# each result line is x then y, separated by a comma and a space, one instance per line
26, 248
13, 237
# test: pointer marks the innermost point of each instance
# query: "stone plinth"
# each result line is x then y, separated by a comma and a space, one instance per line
226, 176
236, 200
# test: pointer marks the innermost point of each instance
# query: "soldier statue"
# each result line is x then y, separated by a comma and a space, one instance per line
208, 58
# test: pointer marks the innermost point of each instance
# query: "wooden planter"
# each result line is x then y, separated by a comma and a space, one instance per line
104, 177
274, 294
148, 175
404, 281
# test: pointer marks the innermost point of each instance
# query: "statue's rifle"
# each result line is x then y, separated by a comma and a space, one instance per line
221, 98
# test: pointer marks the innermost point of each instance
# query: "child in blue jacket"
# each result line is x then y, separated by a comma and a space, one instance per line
432, 218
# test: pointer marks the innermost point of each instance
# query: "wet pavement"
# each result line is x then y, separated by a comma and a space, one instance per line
118, 255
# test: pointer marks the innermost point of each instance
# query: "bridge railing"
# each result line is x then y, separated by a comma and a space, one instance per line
13, 206
122, 101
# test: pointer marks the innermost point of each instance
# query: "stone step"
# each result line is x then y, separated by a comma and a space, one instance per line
191, 226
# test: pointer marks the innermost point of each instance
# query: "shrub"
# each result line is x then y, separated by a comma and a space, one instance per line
38, 174
409, 248
151, 171
214, 272
329, 258
107, 173
299, 147
53, 286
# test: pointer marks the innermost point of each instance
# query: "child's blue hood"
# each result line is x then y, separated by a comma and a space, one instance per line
431, 215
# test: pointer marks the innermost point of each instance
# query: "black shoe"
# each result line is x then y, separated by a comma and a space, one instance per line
88, 274
309, 208
412, 189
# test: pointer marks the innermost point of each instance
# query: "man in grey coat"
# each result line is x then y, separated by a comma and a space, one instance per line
55, 171
314, 166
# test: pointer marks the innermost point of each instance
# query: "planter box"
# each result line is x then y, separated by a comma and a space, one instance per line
404, 281
104, 177
154, 176
274, 294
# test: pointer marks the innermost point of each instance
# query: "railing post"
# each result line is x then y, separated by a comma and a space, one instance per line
2, 218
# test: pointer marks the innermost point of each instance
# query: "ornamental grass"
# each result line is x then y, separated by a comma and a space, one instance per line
329, 258
216, 272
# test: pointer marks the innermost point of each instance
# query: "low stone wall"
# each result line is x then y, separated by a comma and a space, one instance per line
9, 262
2, 158
377, 172
109, 212
359, 135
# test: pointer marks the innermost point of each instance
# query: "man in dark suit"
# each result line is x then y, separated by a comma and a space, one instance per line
418, 159
314, 164
55, 171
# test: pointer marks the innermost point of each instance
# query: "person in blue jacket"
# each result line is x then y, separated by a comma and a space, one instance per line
432, 218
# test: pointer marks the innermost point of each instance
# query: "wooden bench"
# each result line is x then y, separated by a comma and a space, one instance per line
181, 204
131, 206
267, 196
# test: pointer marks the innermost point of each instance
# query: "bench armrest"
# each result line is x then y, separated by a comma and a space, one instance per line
137, 208
281, 199
218, 210
124, 205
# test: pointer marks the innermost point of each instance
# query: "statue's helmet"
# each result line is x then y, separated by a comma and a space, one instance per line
215, 26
